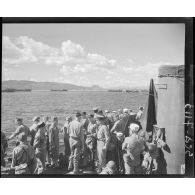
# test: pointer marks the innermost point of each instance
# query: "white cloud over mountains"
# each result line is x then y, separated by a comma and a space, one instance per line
75, 64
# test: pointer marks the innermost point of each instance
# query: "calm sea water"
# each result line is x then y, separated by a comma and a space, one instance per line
60, 104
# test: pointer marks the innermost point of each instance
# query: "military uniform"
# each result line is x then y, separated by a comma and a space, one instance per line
91, 141
4, 145
24, 153
33, 130
22, 128
85, 123
103, 137
66, 139
47, 125
54, 143
133, 149
40, 146
76, 143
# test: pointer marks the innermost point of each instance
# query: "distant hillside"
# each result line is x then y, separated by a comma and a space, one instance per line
23, 84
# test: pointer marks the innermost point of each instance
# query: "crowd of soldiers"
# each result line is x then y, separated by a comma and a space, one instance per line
109, 142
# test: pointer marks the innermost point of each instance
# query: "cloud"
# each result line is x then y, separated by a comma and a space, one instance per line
13, 55
75, 64
26, 50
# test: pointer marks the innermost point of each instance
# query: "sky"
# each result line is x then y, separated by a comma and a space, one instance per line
108, 55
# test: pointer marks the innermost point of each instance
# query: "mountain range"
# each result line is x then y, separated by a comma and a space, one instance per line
33, 85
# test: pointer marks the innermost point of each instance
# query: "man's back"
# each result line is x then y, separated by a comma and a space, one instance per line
75, 129
23, 153
22, 128
40, 140
133, 147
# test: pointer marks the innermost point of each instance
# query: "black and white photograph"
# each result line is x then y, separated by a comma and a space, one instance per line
97, 97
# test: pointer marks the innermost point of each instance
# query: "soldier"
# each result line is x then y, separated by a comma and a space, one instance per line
33, 129
84, 121
65, 130
23, 157
133, 149
76, 143
110, 169
40, 143
120, 113
20, 129
117, 132
91, 141
47, 125
54, 142
103, 138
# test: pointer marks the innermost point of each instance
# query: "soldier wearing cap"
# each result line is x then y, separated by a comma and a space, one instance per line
40, 143
76, 143
103, 138
133, 149
33, 129
23, 153
54, 141
20, 129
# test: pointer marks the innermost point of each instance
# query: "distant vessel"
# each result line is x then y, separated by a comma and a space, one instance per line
133, 91
8, 90
117, 90
58, 90
15, 90
27, 90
